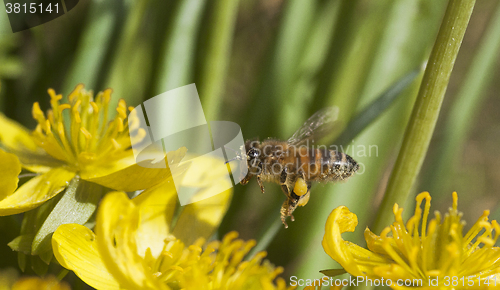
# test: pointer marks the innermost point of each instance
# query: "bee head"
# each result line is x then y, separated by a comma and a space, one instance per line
253, 153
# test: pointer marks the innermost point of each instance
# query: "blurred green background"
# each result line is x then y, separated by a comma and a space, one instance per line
268, 65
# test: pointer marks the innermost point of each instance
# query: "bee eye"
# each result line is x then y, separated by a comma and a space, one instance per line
253, 153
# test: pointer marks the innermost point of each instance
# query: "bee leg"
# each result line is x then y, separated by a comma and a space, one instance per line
246, 179
259, 181
285, 189
287, 209
287, 181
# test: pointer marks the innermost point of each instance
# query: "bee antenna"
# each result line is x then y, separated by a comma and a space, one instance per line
235, 158
238, 155
231, 149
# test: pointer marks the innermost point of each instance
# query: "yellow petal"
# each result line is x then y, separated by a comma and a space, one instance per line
117, 222
39, 162
14, 136
375, 243
156, 208
17, 140
126, 175
36, 191
198, 219
75, 249
10, 167
130, 178
347, 254
202, 218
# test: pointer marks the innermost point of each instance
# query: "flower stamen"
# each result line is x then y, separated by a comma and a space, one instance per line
439, 250
89, 138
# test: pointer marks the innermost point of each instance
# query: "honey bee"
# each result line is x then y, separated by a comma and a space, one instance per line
294, 165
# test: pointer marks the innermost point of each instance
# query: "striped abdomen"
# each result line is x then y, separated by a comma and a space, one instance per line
323, 164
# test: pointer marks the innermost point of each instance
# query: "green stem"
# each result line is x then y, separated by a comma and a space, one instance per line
216, 60
130, 55
93, 46
342, 84
467, 105
267, 237
426, 110
179, 55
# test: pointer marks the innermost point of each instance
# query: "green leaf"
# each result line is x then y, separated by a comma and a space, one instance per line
97, 38
268, 236
133, 52
46, 257
39, 266
34, 219
333, 272
77, 205
217, 49
366, 117
353, 50
177, 67
22, 243
21, 261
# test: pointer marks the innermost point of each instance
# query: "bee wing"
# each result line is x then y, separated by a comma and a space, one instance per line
317, 125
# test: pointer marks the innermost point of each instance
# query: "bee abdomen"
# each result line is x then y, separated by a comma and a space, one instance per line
330, 165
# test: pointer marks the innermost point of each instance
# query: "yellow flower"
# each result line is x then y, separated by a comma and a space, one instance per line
438, 256
138, 245
75, 156
9, 280
85, 146
46, 283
